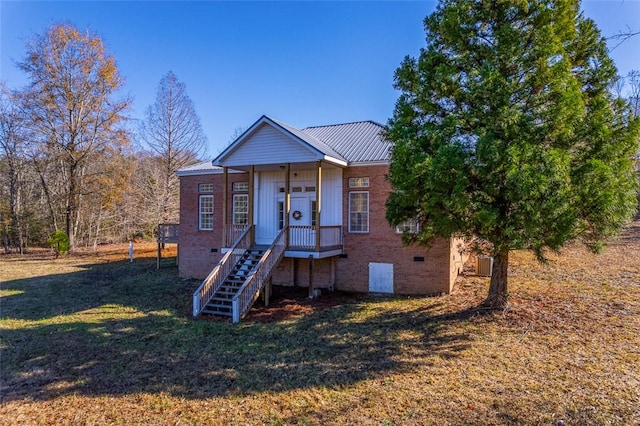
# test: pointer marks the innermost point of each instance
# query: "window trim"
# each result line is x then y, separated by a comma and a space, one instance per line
368, 212
359, 182
313, 208
205, 187
233, 212
240, 186
201, 213
411, 223
281, 214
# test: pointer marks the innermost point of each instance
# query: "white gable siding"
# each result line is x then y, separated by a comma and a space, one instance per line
269, 146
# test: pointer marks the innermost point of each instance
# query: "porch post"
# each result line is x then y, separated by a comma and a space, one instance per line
225, 178
318, 203
287, 202
251, 200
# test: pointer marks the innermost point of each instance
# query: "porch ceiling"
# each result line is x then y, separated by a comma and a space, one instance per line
308, 165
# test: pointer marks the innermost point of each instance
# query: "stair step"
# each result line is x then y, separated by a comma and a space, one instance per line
224, 300
218, 306
225, 293
237, 277
214, 312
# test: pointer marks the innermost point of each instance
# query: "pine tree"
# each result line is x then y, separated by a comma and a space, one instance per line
506, 132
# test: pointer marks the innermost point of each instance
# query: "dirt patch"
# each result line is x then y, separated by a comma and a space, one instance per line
289, 303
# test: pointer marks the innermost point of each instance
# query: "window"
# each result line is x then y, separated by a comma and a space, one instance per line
280, 214
358, 212
314, 212
359, 182
206, 213
296, 189
409, 226
240, 186
241, 209
205, 187
309, 189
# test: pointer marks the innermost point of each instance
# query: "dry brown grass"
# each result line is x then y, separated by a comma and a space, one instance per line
95, 340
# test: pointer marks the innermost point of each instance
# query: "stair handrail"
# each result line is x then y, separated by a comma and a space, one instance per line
249, 291
216, 277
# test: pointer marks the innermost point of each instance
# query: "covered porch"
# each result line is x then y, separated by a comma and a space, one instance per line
300, 200
304, 200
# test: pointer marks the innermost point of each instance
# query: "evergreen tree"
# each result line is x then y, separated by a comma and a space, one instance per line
506, 132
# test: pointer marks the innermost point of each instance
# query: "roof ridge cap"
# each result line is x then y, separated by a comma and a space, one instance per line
344, 124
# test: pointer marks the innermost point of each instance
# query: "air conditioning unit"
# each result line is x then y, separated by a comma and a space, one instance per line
485, 266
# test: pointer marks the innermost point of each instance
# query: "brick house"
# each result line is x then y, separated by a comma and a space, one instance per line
300, 208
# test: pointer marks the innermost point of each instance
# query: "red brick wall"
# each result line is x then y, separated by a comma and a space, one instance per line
196, 255
382, 244
436, 274
292, 271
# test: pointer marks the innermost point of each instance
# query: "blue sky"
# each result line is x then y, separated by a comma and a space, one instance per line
305, 63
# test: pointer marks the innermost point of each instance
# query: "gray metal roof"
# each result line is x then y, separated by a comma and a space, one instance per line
357, 142
202, 168
310, 139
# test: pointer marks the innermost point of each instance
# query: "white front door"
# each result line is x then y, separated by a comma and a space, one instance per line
300, 211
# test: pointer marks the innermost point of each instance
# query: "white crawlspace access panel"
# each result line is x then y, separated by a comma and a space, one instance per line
380, 277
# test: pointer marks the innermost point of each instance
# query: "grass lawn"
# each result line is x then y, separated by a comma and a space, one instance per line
94, 339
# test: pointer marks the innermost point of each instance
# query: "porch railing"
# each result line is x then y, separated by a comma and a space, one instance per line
216, 278
248, 293
304, 237
233, 233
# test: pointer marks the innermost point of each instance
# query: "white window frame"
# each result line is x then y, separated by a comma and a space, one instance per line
351, 223
205, 187
240, 186
359, 182
205, 214
236, 213
410, 226
313, 207
280, 214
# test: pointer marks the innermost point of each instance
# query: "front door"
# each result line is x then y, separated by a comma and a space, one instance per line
300, 212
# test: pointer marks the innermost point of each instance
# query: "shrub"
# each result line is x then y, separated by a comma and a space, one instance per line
59, 241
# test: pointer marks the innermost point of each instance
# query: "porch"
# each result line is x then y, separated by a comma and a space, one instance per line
301, 241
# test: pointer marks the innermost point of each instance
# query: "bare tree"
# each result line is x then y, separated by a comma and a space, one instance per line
171, 131
75, 117
12, 141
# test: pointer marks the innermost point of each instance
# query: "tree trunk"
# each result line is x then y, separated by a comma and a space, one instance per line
498, 290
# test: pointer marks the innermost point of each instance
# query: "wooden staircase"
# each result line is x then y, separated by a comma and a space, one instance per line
220, 303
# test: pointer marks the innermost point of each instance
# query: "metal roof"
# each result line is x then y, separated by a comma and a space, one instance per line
310, 139
202, 168
357, 142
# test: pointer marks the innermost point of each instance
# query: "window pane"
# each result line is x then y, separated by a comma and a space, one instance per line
280, 214
314, 212
206, 212
240, 209
359, 182
205, 187
240, 186
409, 226
358, 212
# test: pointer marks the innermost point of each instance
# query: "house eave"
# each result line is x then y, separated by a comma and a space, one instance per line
204, 172
370, 163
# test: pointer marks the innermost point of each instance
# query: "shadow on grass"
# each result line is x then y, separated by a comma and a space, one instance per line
123, 328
